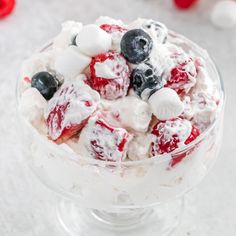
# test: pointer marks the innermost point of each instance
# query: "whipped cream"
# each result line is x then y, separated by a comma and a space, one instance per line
155, 29
67, 35
32, 105
105, 69
139, 147
129, 112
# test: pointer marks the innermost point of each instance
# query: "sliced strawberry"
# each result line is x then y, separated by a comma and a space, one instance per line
183, 76
69, 110
170, 135
110, 75
103, 141
112, 28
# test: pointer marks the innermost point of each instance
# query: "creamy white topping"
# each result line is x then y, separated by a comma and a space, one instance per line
74, 95
129, 112
105, 69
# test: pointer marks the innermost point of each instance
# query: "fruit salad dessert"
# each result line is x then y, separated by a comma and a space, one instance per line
117, 92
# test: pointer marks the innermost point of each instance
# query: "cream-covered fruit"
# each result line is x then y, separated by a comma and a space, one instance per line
121, 91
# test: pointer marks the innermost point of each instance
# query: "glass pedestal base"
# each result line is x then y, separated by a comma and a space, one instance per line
160, 220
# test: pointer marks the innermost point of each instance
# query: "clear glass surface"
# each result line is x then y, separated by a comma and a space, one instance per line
136, 197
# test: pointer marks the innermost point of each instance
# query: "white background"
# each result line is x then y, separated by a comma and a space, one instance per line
26, 207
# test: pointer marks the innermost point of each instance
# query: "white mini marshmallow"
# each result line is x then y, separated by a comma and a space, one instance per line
32, 105
92, 40
71, 62
133, 113
166, 104
224, 14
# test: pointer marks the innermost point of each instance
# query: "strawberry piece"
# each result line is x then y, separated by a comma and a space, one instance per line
170, 135
183, 76
103, 141
6, 7
69, 110
184, 4
110, 75
179, 157
112, 28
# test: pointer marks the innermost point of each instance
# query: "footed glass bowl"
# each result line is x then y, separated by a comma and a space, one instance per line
143, 197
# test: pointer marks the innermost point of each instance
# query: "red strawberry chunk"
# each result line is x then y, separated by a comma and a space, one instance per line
103, 141
172, 134
183, 76
112, 28
194, 134
110, 75
184, 4
6, 7
69, 110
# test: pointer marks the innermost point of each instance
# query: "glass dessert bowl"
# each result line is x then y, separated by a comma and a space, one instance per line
141, 196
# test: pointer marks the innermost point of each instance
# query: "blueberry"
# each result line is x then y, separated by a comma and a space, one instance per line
46, 84
146, 78
136, 45
158, 28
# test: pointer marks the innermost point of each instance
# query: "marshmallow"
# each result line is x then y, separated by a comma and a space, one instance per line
70, 62
224, 14
166, 104
69, 30
92, 40
32, 105
129, 112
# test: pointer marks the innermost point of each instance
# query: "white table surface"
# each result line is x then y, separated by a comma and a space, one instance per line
25, 204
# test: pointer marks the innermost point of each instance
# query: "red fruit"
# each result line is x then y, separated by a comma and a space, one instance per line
103, 141
112, 28
27, 80
179, 157
6, 7
110, 75
184, 4
170, 135
69, 109
183, 76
